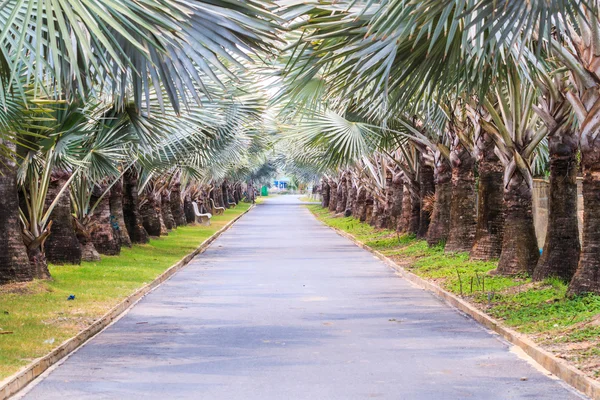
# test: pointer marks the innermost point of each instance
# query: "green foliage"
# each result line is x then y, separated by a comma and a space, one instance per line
40, 316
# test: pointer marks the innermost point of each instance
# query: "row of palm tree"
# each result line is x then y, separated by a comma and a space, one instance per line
116, 115
127, 108
409, 108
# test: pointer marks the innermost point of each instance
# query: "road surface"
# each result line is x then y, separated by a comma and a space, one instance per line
281, 307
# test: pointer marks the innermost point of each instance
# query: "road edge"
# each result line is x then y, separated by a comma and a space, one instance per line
569, 374
18, 381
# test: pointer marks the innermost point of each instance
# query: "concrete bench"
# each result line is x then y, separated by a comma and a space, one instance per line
201, 218
216, 210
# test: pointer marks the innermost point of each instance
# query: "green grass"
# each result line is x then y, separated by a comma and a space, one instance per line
541, 309
40, 316
306, 199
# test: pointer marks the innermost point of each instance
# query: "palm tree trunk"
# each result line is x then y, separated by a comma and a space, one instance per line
325, 191
440, 217
239, 192
342, 195
333, 195
390, 221
490, 202
404, 221
250, 192
361, 205
235, 193
462, 205
35, 249
225, 194
102, 227
165, 208
219, 197
373, 213
151, 216
62, 246
131, 209
414, 221
520, 251
380, 217
427, 186
369, 205
561, 249
190, 215
116, 211
587, 276
351, 200
88, 251
158, 204
14, 262
177, 205
396, 201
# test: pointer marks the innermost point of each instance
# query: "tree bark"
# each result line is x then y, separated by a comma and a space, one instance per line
389, 221
561, 248
225, 194
14, 262
490, 202
440, 218
88, 251
151, 217
351, 200
165, 208
587, 276
414, 221
404, 222
116, 211
379, 214
342, 195
188, 208
103, 229
332, 195
427, 186
177, 205
62, 246
369, 204
131, 209
236, 193
520, 251
396, 201
250, 192
361, 205
325, 191
462, 204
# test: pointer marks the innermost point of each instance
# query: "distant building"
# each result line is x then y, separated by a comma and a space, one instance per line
281, 183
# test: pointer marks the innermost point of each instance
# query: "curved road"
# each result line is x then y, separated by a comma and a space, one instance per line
281, 307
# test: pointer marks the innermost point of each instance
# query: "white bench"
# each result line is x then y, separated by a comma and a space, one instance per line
216, 210
204, 219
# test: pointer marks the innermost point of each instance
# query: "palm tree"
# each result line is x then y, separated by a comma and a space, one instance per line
159, 46
514, 126
385, 55
560, 255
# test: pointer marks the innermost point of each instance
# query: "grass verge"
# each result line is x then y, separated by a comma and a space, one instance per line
568, 327
307, 199
39, 315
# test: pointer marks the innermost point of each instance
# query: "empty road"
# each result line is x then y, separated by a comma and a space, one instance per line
281, 307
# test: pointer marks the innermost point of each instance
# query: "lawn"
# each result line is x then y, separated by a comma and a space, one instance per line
569, 327
307, 199
39, 315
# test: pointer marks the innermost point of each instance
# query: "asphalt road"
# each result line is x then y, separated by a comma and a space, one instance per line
281, 307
